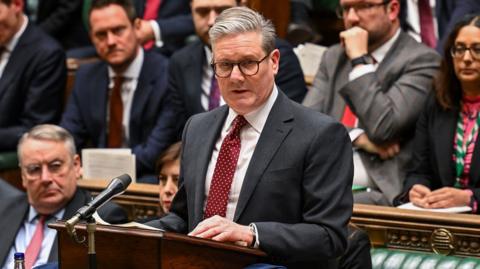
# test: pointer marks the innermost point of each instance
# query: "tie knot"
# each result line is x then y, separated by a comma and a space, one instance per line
237, 124
118, 80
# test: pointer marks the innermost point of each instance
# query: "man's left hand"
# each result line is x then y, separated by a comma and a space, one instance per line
144, 31
221, 229
448, 197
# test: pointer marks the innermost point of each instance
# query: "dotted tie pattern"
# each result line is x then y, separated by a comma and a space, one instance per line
224, 170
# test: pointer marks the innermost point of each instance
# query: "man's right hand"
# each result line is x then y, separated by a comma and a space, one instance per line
355, 42
418, 195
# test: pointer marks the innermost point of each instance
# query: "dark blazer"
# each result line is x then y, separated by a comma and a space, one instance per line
62, 19
175, 22
186, 71
297, 188
152, 118
14, 208
432, 164
448, 12
31, 87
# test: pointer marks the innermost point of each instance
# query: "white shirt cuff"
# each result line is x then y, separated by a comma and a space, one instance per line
360, 70
157, 33
355, 133
257, 239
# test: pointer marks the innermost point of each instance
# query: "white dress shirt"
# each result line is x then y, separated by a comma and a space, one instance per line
249, 136
25, 234
128, 90
10, 46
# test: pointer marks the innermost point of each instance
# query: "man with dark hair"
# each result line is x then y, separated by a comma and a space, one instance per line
32, 75
50, 168
191, 76
121, 101
375, 82
263, 171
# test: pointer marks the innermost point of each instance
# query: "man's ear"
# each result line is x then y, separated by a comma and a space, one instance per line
275, 56
137, 24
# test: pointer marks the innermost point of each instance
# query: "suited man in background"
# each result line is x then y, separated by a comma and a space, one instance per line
165, 25
443, 16
122, 101
61, 19
32, 75
375, 82
50, 168
191, 76
251, 171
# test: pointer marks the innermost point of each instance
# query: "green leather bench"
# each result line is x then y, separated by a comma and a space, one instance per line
383, 258
8, 160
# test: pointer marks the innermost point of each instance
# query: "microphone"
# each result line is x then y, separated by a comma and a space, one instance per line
116, 187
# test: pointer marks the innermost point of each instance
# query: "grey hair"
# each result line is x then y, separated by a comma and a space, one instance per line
237, 20
48, 132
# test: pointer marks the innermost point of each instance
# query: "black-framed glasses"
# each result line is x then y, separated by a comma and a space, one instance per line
458, 51
359, 8
247, 68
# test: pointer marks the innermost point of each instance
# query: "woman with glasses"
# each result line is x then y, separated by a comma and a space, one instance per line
445, 168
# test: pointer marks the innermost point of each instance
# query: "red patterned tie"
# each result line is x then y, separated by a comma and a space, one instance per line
224, 170
115, 126
427, 31
35, 244
151, 13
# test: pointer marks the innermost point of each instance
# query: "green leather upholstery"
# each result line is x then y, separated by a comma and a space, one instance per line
383, 258
8, 160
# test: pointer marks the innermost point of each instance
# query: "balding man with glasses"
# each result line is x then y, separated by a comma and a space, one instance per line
50, 168
375, 82
252, 172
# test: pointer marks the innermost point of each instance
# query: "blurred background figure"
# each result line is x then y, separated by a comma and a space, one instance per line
168, 167
445, 168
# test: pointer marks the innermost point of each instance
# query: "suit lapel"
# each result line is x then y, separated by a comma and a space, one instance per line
338, 106
16, 60
194, 69
210, 133
97, 89
277, 127
445, 130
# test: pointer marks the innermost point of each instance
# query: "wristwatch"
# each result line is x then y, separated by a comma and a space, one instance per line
364, 59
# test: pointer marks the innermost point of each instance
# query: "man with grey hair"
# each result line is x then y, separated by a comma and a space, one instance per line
255, 176
50, 168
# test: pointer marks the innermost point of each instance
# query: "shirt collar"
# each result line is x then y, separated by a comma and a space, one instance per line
133, 70
13, 42
258, 117
33, 214
380, 52
208, 54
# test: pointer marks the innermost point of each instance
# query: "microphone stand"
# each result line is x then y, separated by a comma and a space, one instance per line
92, 255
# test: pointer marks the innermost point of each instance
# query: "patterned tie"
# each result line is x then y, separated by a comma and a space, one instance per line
224, 170
427, 31
115, 128
214, 98
35, 244
151, 13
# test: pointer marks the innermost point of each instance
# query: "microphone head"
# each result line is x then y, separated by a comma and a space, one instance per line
125, 179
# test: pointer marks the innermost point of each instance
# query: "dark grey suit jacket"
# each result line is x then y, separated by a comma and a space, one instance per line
14, 208
387, 102
297, 188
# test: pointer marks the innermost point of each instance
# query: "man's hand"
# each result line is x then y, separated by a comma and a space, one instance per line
385, 152
144, 31
418, 194
221, 229
355, 42
448, 197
